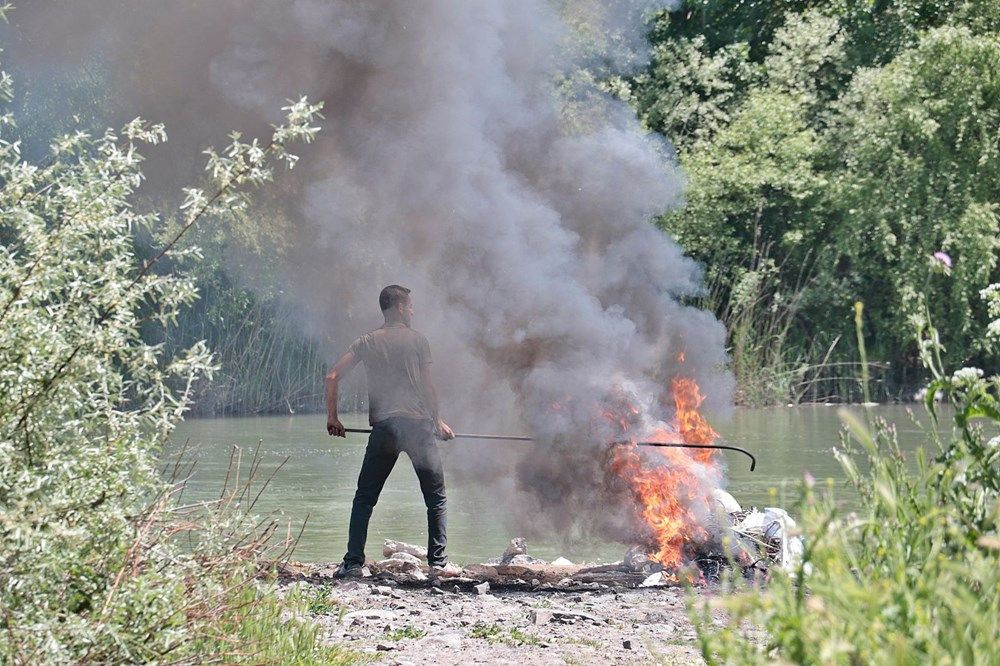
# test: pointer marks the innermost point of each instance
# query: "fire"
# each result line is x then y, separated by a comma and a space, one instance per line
666, 483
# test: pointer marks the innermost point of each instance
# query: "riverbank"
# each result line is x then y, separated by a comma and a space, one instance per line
395, 624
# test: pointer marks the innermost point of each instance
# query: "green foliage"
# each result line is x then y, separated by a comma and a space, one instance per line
688, 94
920, 144
259, 628
914, 576
321, 602
91, 568
831, 149
407, 632
494, 633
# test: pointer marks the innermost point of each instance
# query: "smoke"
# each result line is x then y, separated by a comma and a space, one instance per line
465, 157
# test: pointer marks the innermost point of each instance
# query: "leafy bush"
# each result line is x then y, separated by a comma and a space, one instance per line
92, 567
832, 149
914, 576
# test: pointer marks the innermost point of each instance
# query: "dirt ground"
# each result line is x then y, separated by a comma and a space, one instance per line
420, 624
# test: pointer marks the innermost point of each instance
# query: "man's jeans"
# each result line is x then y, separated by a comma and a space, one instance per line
389, 437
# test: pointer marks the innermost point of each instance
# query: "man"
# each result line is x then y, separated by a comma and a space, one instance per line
403, 413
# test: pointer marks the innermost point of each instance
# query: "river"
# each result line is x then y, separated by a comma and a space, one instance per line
318, 479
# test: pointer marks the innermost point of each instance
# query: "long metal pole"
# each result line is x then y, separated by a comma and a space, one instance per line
522, 438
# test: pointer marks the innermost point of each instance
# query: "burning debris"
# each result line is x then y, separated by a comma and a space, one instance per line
673, 488
759, 540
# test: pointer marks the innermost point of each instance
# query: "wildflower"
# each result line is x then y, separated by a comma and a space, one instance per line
943, 258
966, 377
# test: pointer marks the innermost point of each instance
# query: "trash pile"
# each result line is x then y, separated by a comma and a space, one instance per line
753, 542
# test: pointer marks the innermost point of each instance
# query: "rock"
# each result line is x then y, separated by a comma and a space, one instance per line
415, 576
517, 546
516, 553
385, 647
627, 644
540, 616
449, 639
406, 557
613, 567
561, 562
525, 559
652, 580
535, 582
367, 614
397, 564
482, 588
327, 571
390, 548
383, 590
571, 616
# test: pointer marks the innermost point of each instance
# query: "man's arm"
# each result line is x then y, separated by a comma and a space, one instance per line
338, 372
444, 431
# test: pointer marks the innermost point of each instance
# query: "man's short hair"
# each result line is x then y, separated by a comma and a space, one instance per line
392, 296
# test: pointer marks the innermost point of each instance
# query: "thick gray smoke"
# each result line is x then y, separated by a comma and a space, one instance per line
450, 162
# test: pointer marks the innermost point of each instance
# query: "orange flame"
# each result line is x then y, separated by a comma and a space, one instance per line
666, 484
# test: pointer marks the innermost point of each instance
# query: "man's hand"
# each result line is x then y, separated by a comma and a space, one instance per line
335, 427
444, 430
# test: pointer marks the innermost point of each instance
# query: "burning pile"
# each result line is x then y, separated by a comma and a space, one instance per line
669, 484
672, 488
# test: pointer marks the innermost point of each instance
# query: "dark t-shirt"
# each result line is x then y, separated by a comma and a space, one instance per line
392, 356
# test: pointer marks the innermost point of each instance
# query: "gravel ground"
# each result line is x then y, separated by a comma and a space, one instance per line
424, 625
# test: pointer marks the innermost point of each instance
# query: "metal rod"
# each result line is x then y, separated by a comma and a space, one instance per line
522, 438
727, 447
463, 435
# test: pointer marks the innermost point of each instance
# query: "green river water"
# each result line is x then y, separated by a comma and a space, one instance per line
319, 478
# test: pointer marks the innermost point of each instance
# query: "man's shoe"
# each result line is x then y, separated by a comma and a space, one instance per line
350, 571
446, 570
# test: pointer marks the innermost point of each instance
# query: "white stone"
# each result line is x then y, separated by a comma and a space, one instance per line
652, 580
561, 562
406, 557
390, 548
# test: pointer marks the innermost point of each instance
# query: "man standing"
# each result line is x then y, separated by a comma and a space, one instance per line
403, 413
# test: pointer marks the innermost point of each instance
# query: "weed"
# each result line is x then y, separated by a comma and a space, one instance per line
409, 631
321, 602
493, 633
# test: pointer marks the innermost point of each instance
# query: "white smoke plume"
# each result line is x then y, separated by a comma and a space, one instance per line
449, 163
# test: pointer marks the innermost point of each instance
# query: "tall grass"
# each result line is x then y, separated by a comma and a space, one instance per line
265, 363
913, 576
774, 355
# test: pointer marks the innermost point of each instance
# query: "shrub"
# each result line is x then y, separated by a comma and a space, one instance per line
92, 568
914, 576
